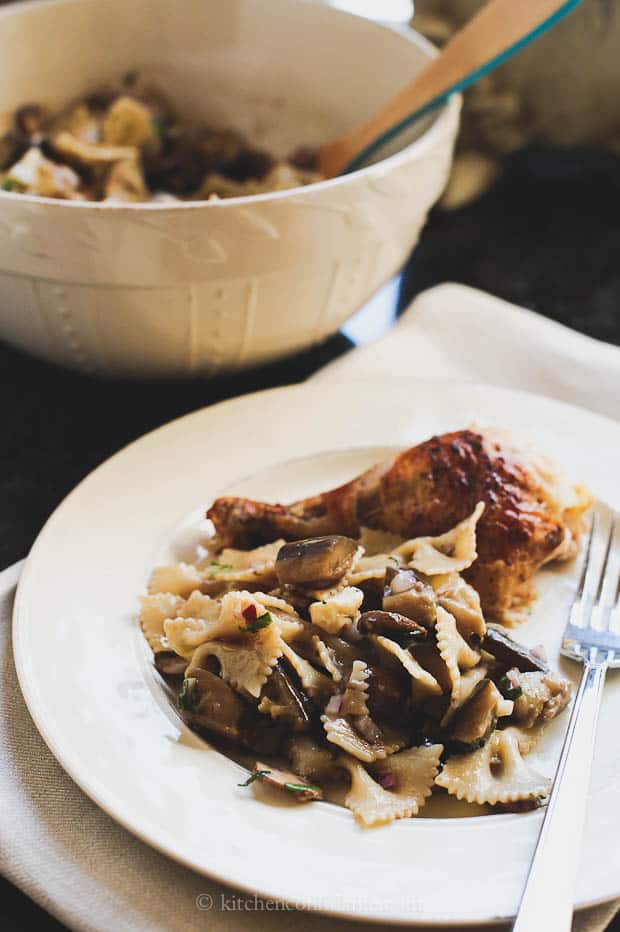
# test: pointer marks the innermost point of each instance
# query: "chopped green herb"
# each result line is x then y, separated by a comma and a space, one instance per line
301, 788
189, 697
256, 775
219, 567
394, 559
263, 621
509, 691
9, 184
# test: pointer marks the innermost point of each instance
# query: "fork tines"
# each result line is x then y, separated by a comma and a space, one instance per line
592, 630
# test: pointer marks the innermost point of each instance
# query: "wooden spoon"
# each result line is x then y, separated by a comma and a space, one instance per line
500, 29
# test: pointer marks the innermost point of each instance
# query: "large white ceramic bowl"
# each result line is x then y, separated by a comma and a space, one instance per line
196, 288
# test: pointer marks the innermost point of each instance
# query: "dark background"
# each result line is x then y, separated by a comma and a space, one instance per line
546, 236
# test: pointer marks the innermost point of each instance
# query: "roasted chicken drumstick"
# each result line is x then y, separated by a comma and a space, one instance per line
532, 514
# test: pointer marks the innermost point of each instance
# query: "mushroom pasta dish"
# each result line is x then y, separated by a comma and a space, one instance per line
127, 144
354, 644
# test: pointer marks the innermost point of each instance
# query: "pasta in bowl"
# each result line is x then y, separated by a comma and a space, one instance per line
360, 669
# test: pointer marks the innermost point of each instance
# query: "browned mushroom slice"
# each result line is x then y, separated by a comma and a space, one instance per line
86, 153
409, 596
390, 624
342, 653
170, 664
316, 562
474, 722
311, 759
513, 654
281, 699
306, 158
206, 701
285, 780
389, 690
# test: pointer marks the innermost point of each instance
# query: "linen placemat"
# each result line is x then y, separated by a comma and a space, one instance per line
73, 859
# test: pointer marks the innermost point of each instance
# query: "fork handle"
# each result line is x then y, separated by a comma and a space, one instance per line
548, 898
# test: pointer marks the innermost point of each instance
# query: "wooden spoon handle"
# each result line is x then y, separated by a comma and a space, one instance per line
498, 26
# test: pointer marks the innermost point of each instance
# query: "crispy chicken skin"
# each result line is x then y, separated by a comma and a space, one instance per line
532, 514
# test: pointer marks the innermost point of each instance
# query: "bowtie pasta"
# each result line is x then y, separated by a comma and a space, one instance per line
364, 670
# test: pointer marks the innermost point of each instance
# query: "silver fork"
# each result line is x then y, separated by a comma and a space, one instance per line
591, 637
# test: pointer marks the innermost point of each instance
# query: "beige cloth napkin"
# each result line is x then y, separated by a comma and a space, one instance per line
455, 332
90, 873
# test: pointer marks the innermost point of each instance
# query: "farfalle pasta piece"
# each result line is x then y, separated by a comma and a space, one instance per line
338, 610
469, 680
317, 685
155, 610
453, 551
462, 601
202, 619
232, 568
257, 559
495, 773
327, 658
424, 683
372, 568
245, 665
354, 700
196, 620
375, 541
476, 719
411, 774
455, 652
339, 731
178, 578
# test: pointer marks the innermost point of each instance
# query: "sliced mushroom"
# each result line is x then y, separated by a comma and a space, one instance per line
282, 699
513, 654
406, 594
206, 701
474, 722
389, 691
316, 562
287, 781
170, 664
261, 734
390, 624
311, 759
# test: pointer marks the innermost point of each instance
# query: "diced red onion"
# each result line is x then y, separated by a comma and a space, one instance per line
249, 612
387, 780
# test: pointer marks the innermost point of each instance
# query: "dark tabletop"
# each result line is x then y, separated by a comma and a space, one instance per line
547, 236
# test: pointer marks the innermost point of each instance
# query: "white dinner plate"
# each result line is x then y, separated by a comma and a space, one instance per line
86, 675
